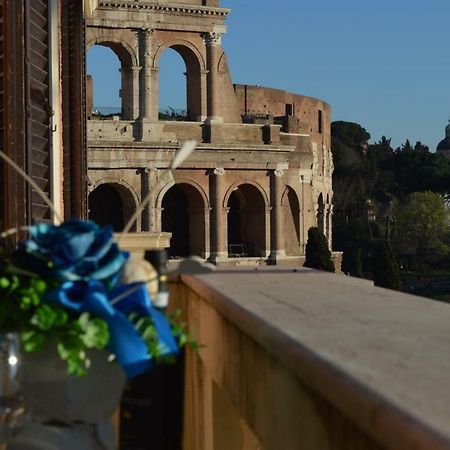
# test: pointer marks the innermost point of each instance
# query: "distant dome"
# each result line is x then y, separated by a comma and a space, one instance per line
445, 143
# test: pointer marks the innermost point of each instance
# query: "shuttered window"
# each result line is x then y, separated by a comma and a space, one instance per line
25, 113
2, 130
74, 110
37, 107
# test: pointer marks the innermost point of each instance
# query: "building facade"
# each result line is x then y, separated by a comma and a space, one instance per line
260, 176
42, 112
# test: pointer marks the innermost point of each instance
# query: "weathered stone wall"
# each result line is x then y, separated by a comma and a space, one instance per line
256, 100
267, 180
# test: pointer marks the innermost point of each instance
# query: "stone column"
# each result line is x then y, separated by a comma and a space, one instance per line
212, 41
154, 113
329, 219
277, 250
218, 218
204, 96
149, 221
305, 184
130, 92
135, 92
146, 77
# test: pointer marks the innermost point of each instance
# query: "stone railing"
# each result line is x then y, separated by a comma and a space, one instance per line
117, 130
304, 359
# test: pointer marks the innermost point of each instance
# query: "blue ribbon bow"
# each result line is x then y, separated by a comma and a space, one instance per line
125, 342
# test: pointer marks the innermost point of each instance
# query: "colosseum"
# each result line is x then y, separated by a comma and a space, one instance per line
260, 176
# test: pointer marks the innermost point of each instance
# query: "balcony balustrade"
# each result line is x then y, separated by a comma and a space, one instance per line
301, 359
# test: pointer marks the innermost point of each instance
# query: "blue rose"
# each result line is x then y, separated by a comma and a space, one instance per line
75, 250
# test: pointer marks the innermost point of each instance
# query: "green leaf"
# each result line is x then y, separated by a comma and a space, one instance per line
96, 334
4, 283
83, 320
44, 318
32, 341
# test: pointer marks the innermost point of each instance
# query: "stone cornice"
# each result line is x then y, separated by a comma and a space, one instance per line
169, 8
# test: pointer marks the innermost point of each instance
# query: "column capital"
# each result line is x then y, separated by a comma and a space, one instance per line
278, 172
307, 179
212, 38
147, 32
219, 171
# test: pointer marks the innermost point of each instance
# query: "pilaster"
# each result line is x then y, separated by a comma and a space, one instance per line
218, 216
277, 250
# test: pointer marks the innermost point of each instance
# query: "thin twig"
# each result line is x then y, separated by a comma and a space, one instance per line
12, 231
135, 288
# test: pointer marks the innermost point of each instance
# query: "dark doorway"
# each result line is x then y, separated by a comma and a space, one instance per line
106, 207
184, 216
175, 220
291, 230
246, 222
112, 204
234, 223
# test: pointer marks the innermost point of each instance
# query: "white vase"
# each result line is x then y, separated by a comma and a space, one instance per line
68, 412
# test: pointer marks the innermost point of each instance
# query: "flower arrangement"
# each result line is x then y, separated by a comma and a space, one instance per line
65, 284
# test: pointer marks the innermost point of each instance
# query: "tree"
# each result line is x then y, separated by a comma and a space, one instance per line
352, 175
349, 133
422, 223
386, 272
318, 255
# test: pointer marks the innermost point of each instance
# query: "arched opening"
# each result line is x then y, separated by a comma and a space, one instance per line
110, 82
321, 214
183, 215
246, 222
291, 209
180, 95
111, 204
103, 98
172, 86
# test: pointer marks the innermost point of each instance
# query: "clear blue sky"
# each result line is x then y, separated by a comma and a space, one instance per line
384, 64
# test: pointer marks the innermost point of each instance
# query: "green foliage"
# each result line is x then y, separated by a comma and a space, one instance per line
146, 328
370, 180
353, 171
24, 310
349, 133
318, 255
385, 267
422, 224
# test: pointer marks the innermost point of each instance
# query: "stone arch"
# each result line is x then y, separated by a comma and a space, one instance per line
183, 213
185, 48
291, 212
123, 50
195, 66
246, 220
193, 183
252, 183
222, 65
128, 64
112, 203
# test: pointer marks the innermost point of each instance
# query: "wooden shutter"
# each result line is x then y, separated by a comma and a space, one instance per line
74, 109
25, 114
13, 117
2, 111
37, 104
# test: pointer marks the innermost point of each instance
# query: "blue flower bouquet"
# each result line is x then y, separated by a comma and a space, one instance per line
65, 283
68, 284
